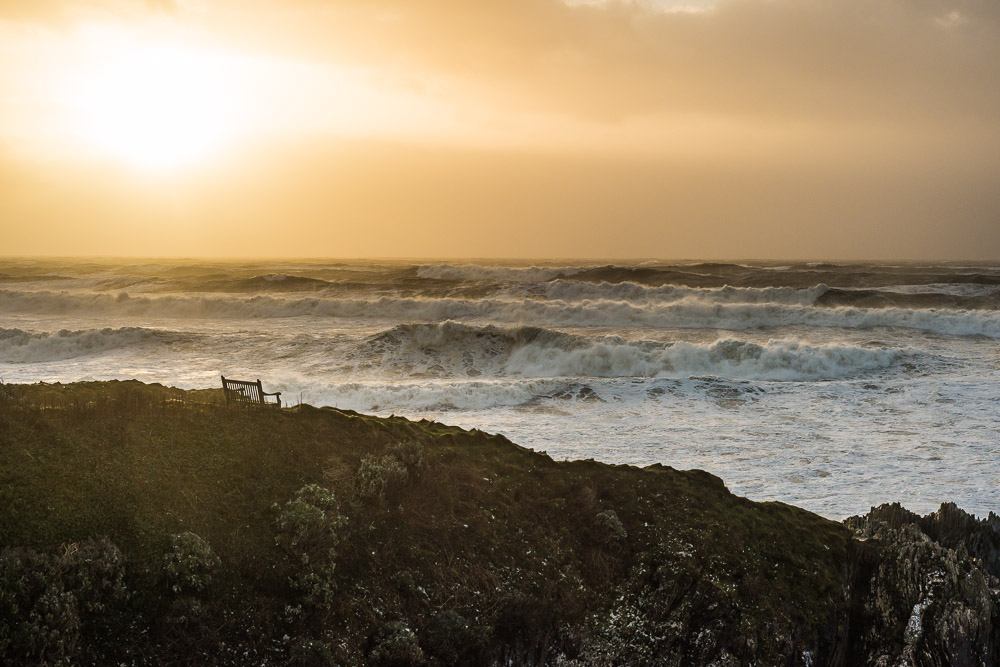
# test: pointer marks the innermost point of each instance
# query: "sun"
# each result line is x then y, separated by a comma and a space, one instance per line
157, 107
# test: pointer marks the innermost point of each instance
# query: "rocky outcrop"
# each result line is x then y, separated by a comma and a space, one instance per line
924, 591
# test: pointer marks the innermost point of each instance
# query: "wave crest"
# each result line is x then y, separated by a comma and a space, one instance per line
566, 290
452, 349
683, 314
476, 272
17, 346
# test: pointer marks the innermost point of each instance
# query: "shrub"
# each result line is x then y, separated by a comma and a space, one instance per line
189, 565
54, 626
307, 526
404, 583
308, 531
94, 571
39, 623
610, 527
452, 639
411, 454
185, 611
381, 478
398, 648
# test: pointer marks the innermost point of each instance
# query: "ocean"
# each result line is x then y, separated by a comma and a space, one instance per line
830, 386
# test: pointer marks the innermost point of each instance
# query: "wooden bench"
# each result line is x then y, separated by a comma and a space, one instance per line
241, 392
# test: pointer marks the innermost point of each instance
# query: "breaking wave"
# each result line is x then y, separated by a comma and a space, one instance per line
781, 360
948, 297
452, 349
532, 274
271, 282
687, 313
943, 296
692, 275
628, 291
17, 346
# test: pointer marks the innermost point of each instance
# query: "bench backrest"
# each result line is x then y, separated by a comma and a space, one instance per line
241, 391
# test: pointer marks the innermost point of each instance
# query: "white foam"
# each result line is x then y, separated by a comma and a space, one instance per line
452, 349
952, 289
693, 312
778, 360
568, 290
17, 346
445, 349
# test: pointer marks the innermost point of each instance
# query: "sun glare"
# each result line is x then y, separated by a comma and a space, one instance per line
157, 107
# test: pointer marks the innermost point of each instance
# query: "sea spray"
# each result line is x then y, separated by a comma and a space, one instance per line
456, 349
17, 346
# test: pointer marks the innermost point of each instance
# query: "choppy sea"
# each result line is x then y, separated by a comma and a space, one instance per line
831, 386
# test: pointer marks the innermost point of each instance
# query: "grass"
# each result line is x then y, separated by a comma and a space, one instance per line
518, 548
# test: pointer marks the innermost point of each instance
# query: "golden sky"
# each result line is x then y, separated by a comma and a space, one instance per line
501, 128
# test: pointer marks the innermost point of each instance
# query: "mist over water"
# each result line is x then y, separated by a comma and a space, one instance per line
830, 386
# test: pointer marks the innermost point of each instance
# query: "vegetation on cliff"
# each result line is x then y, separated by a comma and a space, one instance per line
146, 525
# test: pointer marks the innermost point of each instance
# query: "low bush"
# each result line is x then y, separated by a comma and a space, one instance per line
94, 571
609, 527
404, 583
39, 623
411, 454
452, 639
190, 563
398, 648
381, 478
308, 528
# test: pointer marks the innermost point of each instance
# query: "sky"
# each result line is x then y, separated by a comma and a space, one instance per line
750, 129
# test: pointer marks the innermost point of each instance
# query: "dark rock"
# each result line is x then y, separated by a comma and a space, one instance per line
919, 595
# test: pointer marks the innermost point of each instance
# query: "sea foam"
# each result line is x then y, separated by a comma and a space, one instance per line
565, 290
17, 346
452, 349
689, 313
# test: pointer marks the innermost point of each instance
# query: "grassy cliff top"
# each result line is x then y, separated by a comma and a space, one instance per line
535, 557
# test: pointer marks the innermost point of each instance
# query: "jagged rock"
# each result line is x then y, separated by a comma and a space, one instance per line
921, 598
953, 527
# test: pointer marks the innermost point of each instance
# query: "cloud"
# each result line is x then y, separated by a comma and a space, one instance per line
823, 128
873, 61
856, 59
